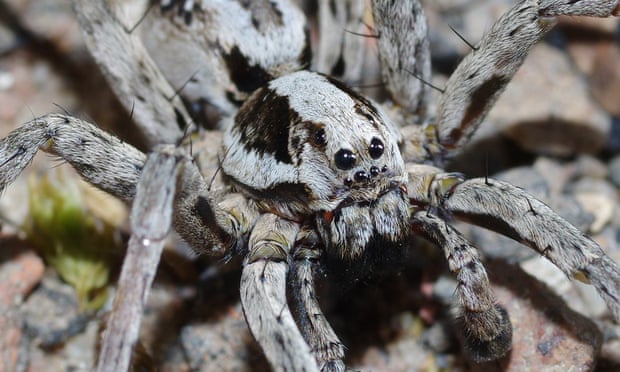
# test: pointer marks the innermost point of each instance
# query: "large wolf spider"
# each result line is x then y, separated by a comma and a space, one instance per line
312, 173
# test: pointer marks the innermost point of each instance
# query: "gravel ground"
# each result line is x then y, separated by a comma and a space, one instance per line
555, 132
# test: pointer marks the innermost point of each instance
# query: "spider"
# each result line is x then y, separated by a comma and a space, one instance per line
309, 173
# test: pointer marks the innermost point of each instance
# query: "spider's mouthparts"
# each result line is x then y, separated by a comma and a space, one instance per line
367, 200
395, 185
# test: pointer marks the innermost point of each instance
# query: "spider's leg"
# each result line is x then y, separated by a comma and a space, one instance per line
263, 295
161, 197
324, 343
590, 8
168, 191
151, 219
115, 167
405, 56
480, 78
488, 332
342, 44
137, 81
101, 159
511, 211
209, 225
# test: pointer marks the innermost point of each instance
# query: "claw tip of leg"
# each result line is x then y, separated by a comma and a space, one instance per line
482, 351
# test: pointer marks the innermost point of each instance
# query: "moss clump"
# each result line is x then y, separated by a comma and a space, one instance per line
70, 237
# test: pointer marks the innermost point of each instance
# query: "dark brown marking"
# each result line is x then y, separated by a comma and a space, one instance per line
361, 100
246, 77
368, 113
264, 122
305, 57
264, 13
203, 209
480, 101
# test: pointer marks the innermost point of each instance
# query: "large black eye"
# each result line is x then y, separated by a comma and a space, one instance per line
376, 148
345, 159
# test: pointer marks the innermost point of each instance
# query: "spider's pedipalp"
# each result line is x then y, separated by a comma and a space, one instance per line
327, 348
511, 211
263, 295
487, 328
151, 219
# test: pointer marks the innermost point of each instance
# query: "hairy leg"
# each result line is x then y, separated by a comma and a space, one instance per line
263, 295
488, 332
324, 343
135, 78
341, 49
115, 167
511, 211
167, 189
482, 76
405, 56
100, 158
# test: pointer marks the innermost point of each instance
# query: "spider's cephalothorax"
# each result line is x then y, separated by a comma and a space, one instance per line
307, 147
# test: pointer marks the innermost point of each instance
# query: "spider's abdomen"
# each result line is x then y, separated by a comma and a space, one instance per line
227, 49
309, 148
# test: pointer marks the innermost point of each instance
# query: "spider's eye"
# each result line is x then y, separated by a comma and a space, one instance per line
345, 159
376, 148
319, 138
370, 118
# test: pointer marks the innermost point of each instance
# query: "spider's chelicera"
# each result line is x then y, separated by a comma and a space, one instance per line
312, 172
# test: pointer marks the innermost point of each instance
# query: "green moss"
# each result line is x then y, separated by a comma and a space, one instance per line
76, 243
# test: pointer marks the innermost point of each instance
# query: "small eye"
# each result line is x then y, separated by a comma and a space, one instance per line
370, 118
345, 159
319, 138
361, 176
376, 148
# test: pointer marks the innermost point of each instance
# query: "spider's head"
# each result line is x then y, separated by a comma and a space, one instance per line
306, 146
